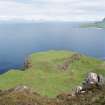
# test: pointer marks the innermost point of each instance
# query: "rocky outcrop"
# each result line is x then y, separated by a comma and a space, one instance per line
27, 63
92, 81
69, 60
17, 89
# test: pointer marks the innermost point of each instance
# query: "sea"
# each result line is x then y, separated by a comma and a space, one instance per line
19, 40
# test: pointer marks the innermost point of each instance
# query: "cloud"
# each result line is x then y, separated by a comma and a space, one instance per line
6, 0
53, 10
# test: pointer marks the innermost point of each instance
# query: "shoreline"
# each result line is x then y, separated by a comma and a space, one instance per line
27, 64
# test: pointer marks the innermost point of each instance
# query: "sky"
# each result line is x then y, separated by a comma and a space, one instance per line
52, 10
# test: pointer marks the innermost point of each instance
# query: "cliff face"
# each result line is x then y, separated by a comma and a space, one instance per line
27, 63
103, 20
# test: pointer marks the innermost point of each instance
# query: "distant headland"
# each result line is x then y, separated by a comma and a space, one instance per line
98, 24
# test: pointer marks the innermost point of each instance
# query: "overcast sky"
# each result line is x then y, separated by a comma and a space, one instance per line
52, 10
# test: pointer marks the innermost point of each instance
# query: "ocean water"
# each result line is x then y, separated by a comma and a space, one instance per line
18, 40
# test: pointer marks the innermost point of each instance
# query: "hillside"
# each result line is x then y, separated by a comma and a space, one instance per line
23, 95
53, 72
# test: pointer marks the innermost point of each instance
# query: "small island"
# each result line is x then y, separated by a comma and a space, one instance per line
99, 25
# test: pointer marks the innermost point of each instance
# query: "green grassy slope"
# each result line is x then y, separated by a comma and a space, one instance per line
47, 78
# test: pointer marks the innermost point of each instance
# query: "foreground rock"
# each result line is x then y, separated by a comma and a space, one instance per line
91, 92
92, 81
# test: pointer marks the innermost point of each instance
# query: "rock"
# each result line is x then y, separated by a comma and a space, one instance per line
78, 90
27, 63
18, 89
22, 89
101, 81
69, 60
95, 80
92, 81
92, 78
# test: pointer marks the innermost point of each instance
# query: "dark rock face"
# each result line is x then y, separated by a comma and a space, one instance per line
101, 81
27, 63
103, 20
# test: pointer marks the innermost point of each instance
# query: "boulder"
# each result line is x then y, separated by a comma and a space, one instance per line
101, 81
92, 78
92, 81
21, 88
78, 90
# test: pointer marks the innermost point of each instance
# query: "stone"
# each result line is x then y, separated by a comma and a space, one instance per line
101, 81
78, 90
92, 78
21, 89
92, 81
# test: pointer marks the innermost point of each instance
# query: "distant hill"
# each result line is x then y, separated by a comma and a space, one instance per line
99, 24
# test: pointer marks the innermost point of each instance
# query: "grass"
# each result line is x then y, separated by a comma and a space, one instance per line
46, 78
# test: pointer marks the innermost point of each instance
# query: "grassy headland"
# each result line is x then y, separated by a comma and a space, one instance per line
53, 72
100, 24
94, 25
